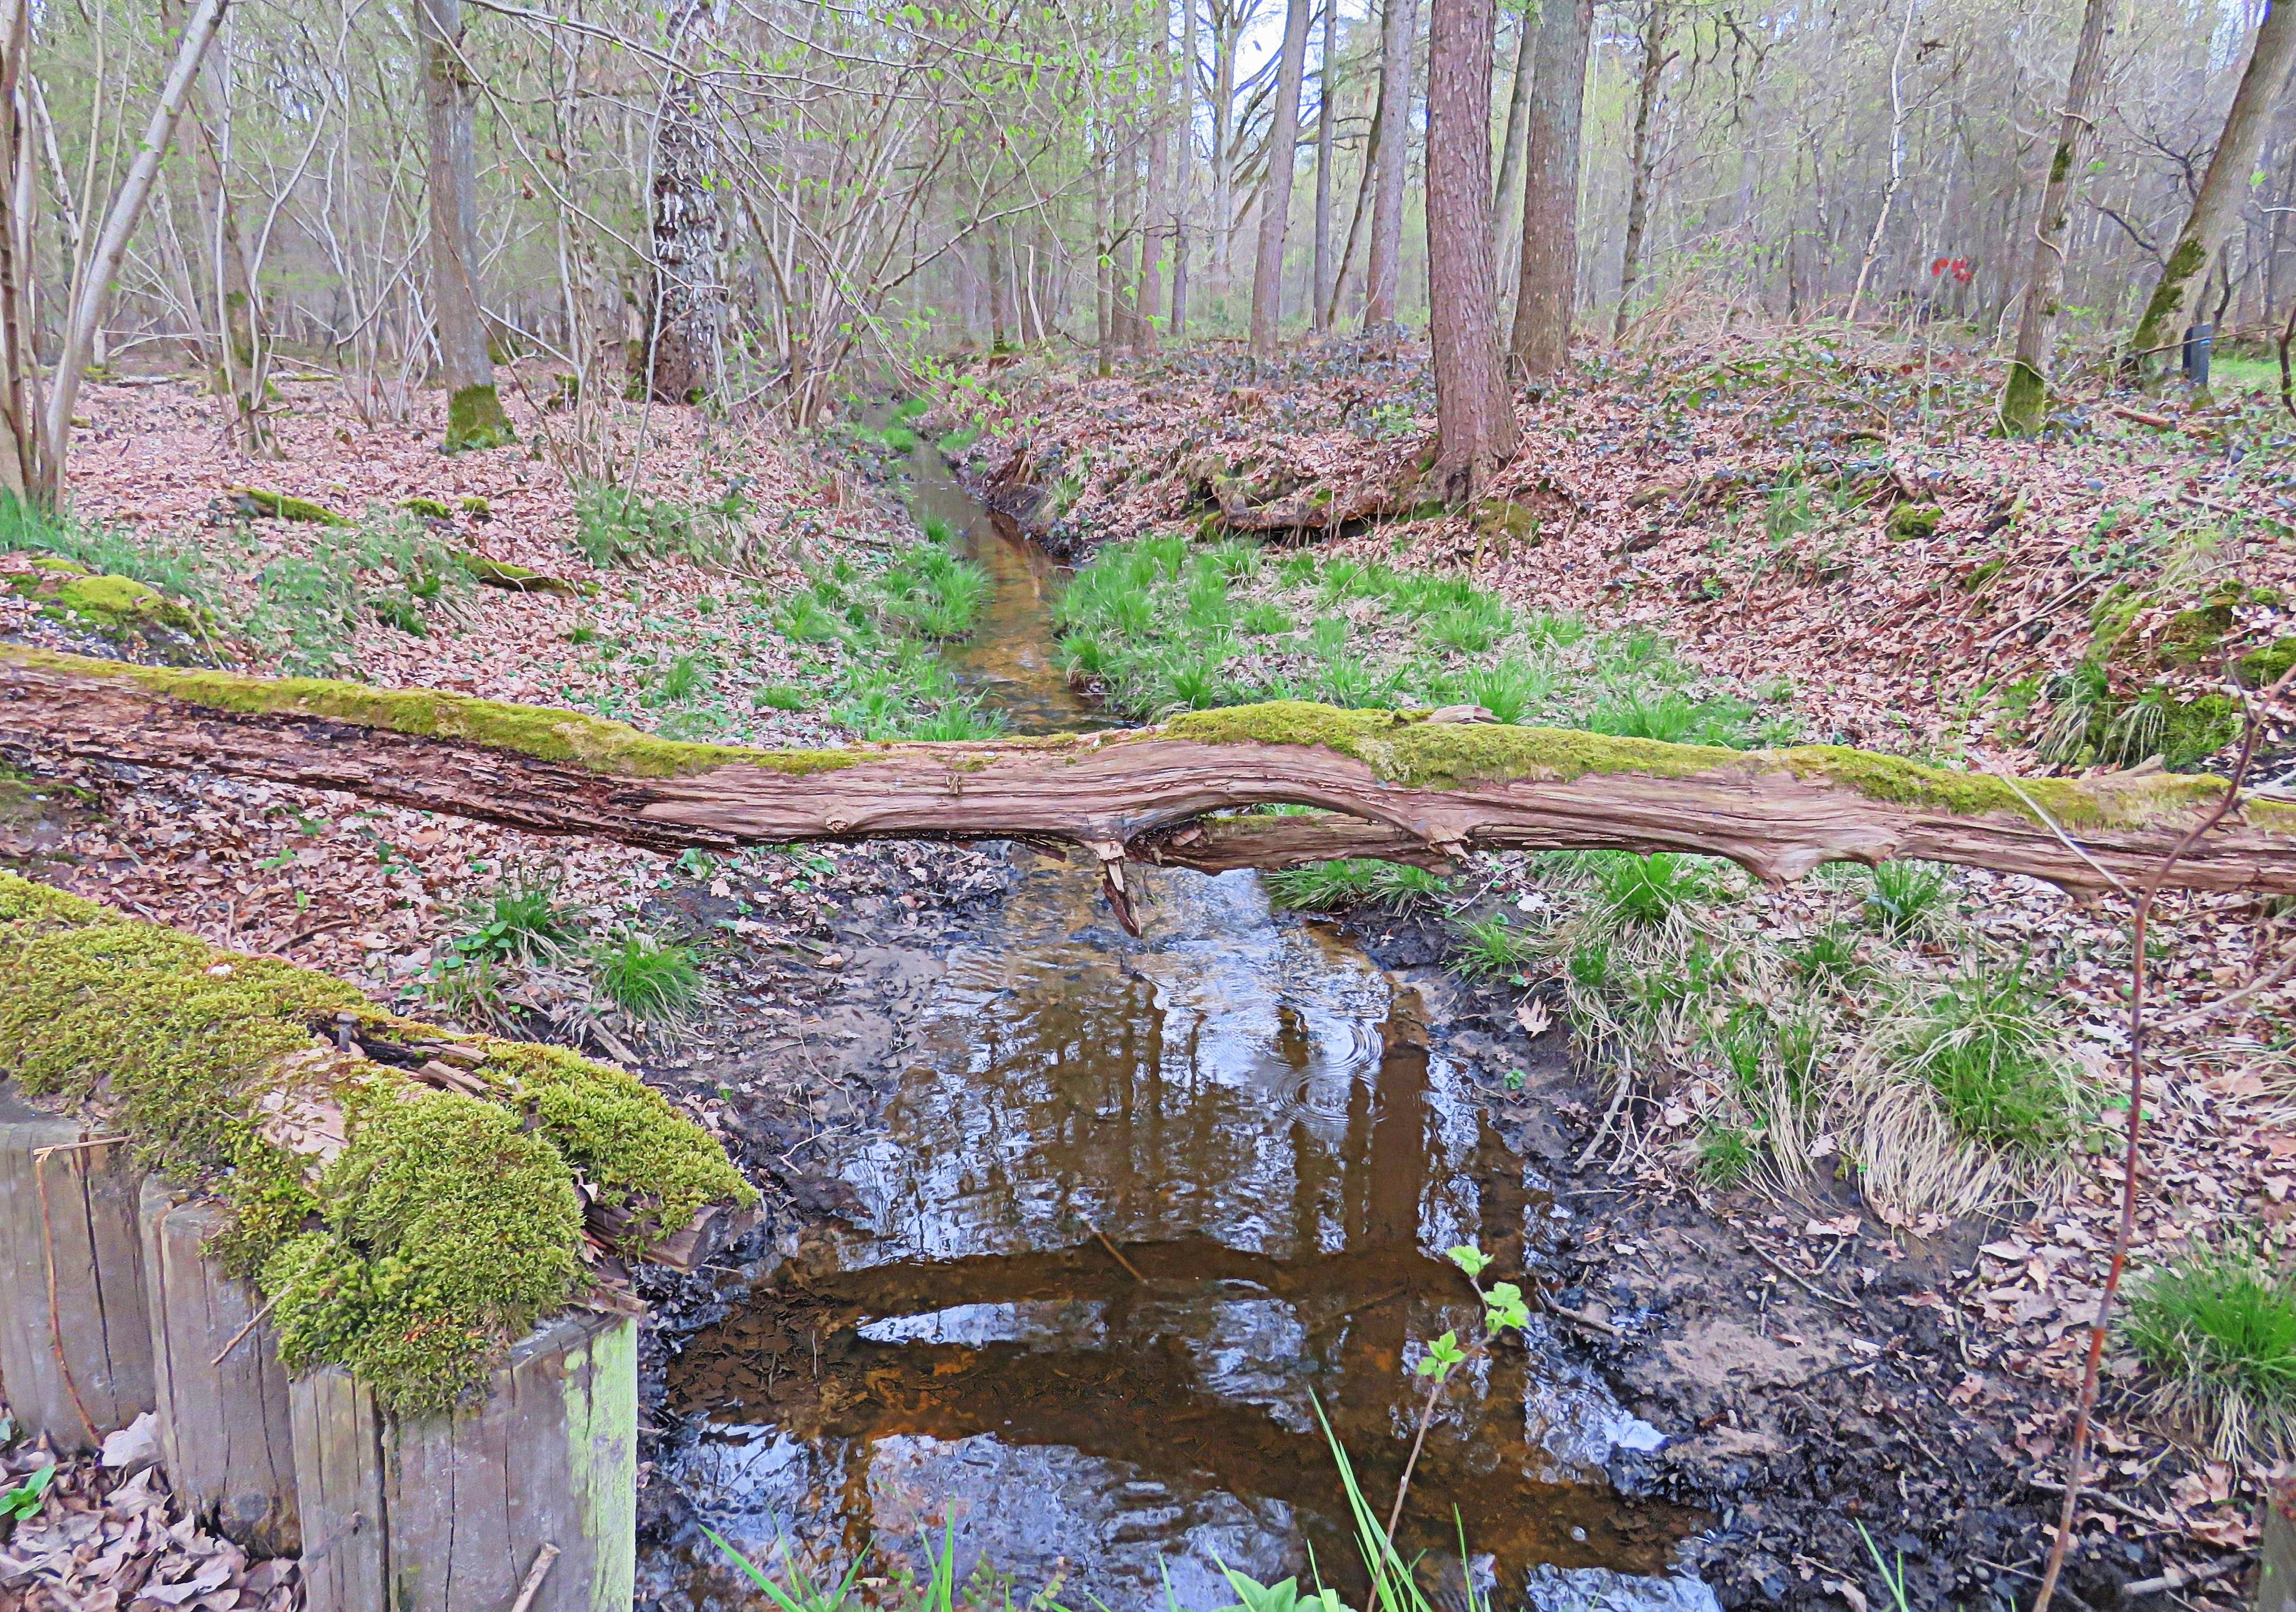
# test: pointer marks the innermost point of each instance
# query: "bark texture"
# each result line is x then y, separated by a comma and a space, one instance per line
685, 326
1403, 786
1383, 281
1504, 213
2224, 184
1474, 416
1547, 295
1327, 107
474, 412
1276, 202
2025, 396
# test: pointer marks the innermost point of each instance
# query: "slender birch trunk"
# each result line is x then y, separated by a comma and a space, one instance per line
1327, 105
1276, 202
685, 323
1896, 162
2025, 396
1656, 21
1185, 155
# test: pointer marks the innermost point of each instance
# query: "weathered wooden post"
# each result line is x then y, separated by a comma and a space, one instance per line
2275, 1582
75, 1345
224, 1429
547, 1462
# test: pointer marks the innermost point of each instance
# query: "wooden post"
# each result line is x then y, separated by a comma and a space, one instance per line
224, 1427
83, 1368
550, 1458
2275, 1582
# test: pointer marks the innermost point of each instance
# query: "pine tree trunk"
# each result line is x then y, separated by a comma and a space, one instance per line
1546, 294
2224, 186
1656, 24
2025, 396
1505, 212
685, 326
1276, 202
474, 412
1474, 416
1326, 107
1399, 24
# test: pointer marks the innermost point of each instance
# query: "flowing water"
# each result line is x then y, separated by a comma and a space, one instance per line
1140, 1211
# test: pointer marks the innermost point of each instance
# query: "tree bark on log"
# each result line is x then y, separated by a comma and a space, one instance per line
1403, 786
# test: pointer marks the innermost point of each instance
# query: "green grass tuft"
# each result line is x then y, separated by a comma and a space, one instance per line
1327, 886
2219, 1326
1490, 948
1986, 1046
653, 980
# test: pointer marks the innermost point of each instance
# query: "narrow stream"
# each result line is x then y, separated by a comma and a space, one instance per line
1138, 1209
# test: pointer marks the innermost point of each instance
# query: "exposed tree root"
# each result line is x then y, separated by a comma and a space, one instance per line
1424, 788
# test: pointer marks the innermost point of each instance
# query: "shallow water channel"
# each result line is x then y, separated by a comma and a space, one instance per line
1139, 1208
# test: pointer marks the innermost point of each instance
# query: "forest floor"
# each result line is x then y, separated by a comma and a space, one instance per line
1821, 532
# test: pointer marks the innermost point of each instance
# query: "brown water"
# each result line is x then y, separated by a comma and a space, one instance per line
1138, 1209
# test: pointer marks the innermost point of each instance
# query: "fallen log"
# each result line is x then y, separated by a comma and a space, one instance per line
1419, 787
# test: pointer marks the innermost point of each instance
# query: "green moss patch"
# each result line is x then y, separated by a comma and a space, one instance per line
262, 503
448, 1224
475, 419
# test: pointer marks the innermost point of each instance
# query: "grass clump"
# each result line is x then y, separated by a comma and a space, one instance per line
1985, 1045
1648, 890
2219, 1327
450, 1222
1490, 948
657, 982
388, 569
619, 526
1907, 898
1329, 886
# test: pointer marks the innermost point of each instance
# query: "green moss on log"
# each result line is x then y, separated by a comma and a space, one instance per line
278, 506
429, 508
542, 731
448, 1224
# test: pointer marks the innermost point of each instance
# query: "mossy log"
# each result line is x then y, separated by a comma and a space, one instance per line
1414, 786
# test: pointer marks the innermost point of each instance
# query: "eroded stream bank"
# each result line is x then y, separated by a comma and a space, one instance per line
1130, 1212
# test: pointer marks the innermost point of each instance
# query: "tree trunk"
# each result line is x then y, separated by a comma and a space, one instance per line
1183, 154
1404, 787
1399, 24
1224, 40
91, 290
1897, 163
1655, 56
1364, 188
1125, 267
1000, 322
20, 455
1103, 265
686, 325
1474, 416
2025, 395
1276, 202
2223, 187
474, 412
1504, 198
1546, 294
1153, 238
223, 285
1326, 110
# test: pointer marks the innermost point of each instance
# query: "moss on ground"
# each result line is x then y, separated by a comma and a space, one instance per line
279, 506
67, 590
448, 1224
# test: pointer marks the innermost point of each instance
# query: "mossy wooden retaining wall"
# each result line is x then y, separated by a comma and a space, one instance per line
425, 1514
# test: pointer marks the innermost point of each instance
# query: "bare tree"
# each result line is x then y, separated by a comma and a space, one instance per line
1399, 24
1185, 154
1504, 211
1657, 21
2221, 192
474, 411
1546, 293
1474, 417
1897, 160
1275, 202
2024, 397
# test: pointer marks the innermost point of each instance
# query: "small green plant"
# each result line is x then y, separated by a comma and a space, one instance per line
521, 922
1471, 627
1726, 1156
1510, 688
781, 697
1830, 959
1893, 1579
1262, 620
615, 526
681, 680
1905, 897
1490, 948
652, 980
2219, 1325
1675, 719
22, 1498
1985, 1045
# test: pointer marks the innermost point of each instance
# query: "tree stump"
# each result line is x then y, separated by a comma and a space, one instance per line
81, 1368
446, 1513
224, 1426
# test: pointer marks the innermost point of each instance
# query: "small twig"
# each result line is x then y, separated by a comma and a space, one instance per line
1581, 1319
1626, 1084
2094, 1497
2066, 839
1794, 1276
1118, 1255
2184, 1578
535, 1575
248, 1327
2159, 422
1402, 1487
